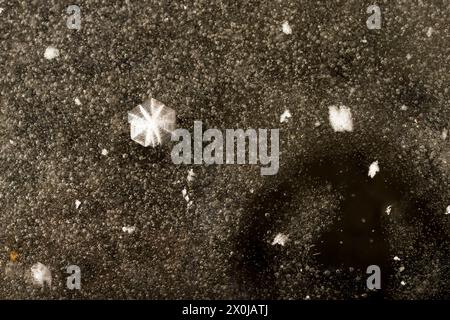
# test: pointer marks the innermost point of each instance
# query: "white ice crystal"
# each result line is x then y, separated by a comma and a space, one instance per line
285, 115
403, 107
51, 53
429, 32
286, 28
1, 10
77, 204
388, 210
340, 118
151, 122
77, 102
191, 175
444, 134
185, 195
280, 239
129, 230
408, 56
41, 275
447, 211
104, 152
403, 283
396, 258
373, 169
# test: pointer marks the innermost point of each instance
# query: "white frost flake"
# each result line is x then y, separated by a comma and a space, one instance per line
129, 230
41, 275
280, 239
341, 118
51, 53
286, 28
285, 115
191, 175
373, 169
77, 204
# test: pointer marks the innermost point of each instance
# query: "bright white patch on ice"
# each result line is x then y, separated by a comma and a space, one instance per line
408, 56
129, 230
41, 275
77, 204
77, 102
51, 53
444, 134
1, 10
396, 258
280, 239
104, 152
429, 32
403, 283
286, 28
185, 195
191, 175
364, 41
317, 124
447, 211
341, 118
403, 107
401, 269
285, 115
388, 210
373, 169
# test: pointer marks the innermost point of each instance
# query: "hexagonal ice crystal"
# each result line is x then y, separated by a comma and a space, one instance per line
151, 123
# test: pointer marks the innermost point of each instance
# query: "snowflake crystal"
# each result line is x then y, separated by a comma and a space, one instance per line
151, 123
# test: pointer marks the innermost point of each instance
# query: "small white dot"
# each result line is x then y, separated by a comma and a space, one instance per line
51, 53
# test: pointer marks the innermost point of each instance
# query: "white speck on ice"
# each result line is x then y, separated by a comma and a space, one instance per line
285, 115
396, 258
447, 211
388, 209
373, 169
77, 204
341, 118
51, 53
408, 56
129, 230
191, 175
317, 124
104, 152
444, 134
403, 107
429, 32
1, 10
280, 239
286, 28
401, 269
403, 283
77, 102
41, 275
185, 195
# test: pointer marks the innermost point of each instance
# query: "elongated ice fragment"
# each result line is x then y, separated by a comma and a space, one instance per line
151, 123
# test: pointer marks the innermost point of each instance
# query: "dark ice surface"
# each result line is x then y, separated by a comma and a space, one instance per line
228, 64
